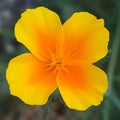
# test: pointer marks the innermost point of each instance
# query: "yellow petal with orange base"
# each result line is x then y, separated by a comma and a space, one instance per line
40, 30
82, 86
29, 79
86, 38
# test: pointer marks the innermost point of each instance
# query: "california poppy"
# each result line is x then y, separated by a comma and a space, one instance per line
61, 56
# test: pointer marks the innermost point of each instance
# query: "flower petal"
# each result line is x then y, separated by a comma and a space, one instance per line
30, 80
82, 86
86, 38
40, 30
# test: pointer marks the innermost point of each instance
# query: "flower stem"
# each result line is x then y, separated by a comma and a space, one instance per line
111, 70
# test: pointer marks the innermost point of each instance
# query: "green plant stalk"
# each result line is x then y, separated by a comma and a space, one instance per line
111, 70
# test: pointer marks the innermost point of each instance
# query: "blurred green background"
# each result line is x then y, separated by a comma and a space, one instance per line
12, 108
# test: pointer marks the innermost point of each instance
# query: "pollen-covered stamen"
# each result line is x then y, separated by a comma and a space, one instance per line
56, 65
58, 62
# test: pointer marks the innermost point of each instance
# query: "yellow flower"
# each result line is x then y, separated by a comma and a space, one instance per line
62, 57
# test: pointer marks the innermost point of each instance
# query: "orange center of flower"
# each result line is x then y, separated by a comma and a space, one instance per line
56, 64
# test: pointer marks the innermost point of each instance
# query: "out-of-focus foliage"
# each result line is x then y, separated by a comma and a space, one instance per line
12, 108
